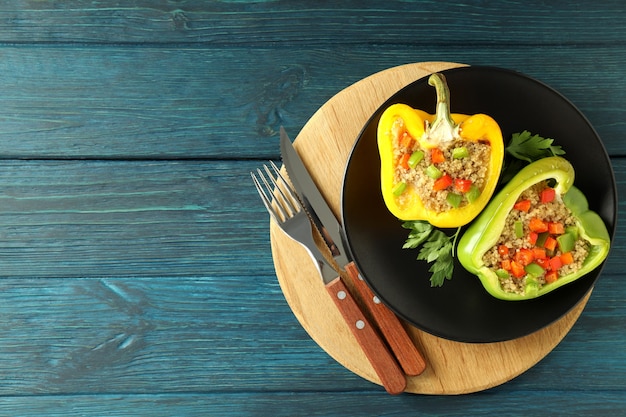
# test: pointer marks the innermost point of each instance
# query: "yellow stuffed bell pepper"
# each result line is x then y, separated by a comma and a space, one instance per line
442, 168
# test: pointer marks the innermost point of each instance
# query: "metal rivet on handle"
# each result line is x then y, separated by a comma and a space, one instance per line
341, 295
360, 324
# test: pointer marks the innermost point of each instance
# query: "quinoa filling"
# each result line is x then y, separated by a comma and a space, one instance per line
444, 178
539, 244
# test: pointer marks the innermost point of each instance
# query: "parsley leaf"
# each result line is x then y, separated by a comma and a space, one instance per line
529, 147
437, 249
420, 231
442, 269
525, 148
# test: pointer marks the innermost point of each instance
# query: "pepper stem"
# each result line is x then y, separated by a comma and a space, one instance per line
443, 129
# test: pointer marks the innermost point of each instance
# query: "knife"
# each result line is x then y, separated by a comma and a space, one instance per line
409, 357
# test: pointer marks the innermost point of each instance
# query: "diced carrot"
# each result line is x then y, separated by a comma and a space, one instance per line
537, 225
556, 228
547, 195
442, 183
506, 264
404, 160
522, 205
567, 258
555, 263
539, 253
524, 256
532, 237
550, 243
503, 250
436, 156
517, 269
551, 276
406, 141
462, 186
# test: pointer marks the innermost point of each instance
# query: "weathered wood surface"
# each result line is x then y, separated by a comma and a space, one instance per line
243, 24
147, 219
136, 276
202, 102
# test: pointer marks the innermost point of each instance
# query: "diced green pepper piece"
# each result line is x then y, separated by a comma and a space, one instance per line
532, 285
459, 153
399, 188
519, 229
454, 199
541, 239
416, 158
566, 242
473, 194
573, 230
502, 273
534, 270
433, 172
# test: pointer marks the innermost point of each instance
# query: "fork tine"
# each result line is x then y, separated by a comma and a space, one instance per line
280, 198
281, 202
267, 201
277, 194
297, 205
271, 200
282, 185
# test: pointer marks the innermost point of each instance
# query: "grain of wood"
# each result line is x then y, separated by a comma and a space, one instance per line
127, 130
183, 334
146, 218
99, 218
349, 23
115, 102
314, 404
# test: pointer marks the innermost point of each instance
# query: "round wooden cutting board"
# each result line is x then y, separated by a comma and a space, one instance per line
453, 367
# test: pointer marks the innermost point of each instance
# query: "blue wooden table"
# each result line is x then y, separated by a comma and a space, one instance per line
136, 273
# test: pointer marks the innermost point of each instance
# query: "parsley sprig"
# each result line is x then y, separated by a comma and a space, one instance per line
437, 249
528, 147
525, 148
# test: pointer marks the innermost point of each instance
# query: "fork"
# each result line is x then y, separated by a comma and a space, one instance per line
288, 213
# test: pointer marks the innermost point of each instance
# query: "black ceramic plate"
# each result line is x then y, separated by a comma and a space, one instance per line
462, 310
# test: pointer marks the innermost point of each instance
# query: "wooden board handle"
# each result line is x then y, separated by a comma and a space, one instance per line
379, 356
409, 357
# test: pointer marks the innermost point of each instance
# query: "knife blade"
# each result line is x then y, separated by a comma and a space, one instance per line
409, 357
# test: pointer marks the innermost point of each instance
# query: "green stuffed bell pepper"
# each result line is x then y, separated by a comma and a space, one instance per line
536, 235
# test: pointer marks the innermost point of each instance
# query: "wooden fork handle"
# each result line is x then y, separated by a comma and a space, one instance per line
409, 357
391, 375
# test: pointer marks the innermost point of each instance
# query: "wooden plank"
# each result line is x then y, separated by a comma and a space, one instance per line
287, 404
152, 335
83, 218
94, 218
304, 23
202, 102
159, 218
228, 334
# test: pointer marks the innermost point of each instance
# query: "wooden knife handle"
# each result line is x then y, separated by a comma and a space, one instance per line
383, 362
409, 357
